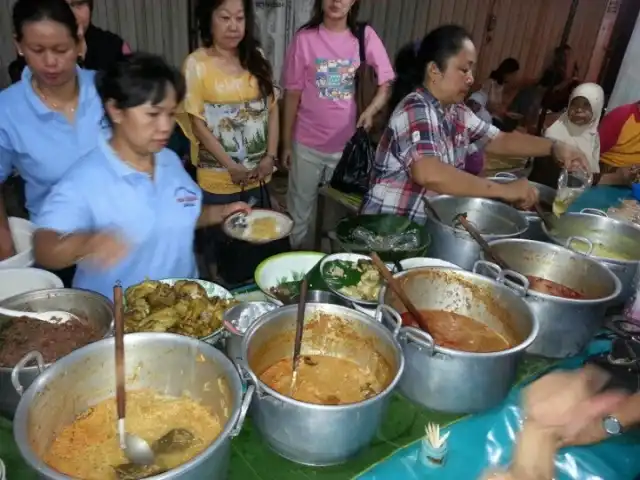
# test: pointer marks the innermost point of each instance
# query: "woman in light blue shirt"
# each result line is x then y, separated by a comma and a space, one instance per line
54, 115
128, 210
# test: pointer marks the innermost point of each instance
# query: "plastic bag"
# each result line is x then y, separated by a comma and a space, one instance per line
354, 168
485, 442
570, 186
404, 241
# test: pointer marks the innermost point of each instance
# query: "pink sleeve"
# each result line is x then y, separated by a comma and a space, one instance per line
294, 66
377, 56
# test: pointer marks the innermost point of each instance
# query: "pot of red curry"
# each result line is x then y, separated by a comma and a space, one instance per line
479, 330
567, 292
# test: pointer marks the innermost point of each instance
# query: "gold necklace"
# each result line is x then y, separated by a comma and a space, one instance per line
55, 106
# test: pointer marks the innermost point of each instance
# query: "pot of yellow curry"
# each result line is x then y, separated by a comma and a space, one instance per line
184, 397
614, 243
349, 366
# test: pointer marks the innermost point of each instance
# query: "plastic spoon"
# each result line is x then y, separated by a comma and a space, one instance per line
135, 448
54, 316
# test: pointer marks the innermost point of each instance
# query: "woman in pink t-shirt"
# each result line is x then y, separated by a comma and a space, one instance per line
319, 104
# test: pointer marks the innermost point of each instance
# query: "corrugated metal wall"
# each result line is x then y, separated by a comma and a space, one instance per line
525, 29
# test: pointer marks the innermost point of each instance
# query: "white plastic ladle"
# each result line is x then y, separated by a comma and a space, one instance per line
53, 316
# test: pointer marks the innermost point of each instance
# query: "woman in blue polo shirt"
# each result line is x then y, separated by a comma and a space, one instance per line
54, 115
128, 210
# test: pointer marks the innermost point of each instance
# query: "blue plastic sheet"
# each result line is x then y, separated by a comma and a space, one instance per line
486, 441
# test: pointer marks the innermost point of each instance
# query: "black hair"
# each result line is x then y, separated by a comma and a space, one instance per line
137, 79
317, 16
249, 53
506, 67
29, 11
438, 46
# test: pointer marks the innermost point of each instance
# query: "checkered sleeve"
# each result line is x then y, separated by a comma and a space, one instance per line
418, 133
480, 132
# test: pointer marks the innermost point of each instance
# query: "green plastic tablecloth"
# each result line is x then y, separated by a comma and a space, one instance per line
253, 460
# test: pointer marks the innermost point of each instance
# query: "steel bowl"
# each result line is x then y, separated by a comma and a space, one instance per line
96, 308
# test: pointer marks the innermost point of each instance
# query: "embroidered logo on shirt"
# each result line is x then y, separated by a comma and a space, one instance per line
335, 79
185, 197
415, 136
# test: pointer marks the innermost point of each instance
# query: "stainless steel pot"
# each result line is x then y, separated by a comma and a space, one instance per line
566, 325
452, 243
547, 196
449, 380
312, 434
87, 376
591, 227
90, 305
237, 320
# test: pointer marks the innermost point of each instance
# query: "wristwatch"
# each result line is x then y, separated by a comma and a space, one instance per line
612, 426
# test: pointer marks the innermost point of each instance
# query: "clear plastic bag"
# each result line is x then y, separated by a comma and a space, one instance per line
570, 186
409, 240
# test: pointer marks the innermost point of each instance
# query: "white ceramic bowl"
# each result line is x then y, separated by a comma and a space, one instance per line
14, 281
284, 267
408, 264
22, 233
284, 224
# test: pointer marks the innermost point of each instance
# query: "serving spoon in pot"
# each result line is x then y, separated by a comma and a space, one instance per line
297, 343
136, 449
53, 316
397, 289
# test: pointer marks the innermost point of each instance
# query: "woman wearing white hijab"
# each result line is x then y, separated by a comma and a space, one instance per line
578, 125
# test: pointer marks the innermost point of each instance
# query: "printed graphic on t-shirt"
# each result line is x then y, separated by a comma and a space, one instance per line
335, 79
241, 128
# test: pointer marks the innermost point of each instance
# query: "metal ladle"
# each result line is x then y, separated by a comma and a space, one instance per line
136, 449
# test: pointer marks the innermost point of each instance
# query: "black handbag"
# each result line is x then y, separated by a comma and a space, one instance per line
237, 260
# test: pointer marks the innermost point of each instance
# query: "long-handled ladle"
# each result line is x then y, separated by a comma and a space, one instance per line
397, 289
135, 448
297, 343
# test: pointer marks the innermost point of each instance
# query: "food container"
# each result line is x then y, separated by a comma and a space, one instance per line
237, 320
320, 296
451, 242
454, 381
22, 234
312, 434
14, 281
566, 325
87, 376
547, 196
581, 231
93, 306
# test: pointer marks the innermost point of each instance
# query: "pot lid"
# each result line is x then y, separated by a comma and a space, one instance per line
240, 317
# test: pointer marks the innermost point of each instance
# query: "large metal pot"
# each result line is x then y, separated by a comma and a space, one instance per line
451, 242
96, 308
581, 231
449, 380
87, 376
547, 196
566, 325
307, 433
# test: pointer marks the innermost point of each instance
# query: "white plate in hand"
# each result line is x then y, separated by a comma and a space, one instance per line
283, 225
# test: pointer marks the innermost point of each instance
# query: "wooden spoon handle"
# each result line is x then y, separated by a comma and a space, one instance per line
302, 303
486, 248
118, 313
397, 289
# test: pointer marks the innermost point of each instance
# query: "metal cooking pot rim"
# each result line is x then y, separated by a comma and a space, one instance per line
558, 239
22, 412
464, 232
535, 325
262, 387
583, 302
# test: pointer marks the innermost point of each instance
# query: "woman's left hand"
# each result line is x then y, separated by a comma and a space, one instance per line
570, 157
235, 207
263, 170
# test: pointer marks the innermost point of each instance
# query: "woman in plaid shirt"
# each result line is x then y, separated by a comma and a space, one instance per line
431, 131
